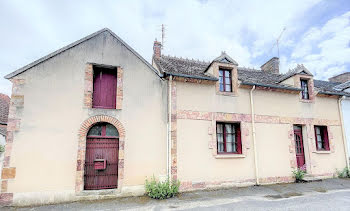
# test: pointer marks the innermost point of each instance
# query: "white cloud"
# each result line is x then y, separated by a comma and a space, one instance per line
246, 30
325, 50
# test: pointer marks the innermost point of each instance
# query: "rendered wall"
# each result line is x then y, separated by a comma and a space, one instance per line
276, 113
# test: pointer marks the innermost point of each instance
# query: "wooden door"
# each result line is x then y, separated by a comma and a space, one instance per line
299, 146
101, 159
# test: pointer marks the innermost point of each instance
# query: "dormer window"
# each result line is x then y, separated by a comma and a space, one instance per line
305, 89
225, 80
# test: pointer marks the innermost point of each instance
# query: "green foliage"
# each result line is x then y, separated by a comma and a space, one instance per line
345, 173
299, 173
2, 148
161, 190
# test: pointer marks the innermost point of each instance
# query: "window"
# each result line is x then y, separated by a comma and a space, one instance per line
321, 136
305, 89
103, 129
228, 138
105, 88
225, 80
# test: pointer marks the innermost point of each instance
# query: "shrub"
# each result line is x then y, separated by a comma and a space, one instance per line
299, 173
345, 173
161, 190
2, 148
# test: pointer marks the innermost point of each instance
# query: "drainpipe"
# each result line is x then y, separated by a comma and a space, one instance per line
168, 143
343, 131
254, 142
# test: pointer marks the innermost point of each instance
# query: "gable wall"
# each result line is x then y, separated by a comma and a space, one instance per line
44, 150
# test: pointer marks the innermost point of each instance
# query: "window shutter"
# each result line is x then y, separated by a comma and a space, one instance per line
97, 89
315, 137
238, 138
325, 137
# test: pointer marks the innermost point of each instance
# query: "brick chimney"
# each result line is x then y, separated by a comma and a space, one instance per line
341, 78
271, 66
157, 49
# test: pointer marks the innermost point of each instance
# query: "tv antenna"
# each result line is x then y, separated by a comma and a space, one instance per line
277, 43
163, 34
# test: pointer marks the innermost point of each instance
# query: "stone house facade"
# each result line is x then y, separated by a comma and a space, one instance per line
94, 119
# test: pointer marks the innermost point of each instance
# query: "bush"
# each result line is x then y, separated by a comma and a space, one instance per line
345, 173
299, 173
2, 148
161, 190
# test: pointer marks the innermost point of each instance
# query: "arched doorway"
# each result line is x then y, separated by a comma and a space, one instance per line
101, 157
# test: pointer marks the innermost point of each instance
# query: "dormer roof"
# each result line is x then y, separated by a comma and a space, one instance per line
224, 58
299, 69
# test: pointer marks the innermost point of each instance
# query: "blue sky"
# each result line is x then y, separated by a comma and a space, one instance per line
317, 32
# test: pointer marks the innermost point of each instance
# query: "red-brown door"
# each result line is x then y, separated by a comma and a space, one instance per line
299, 146
101, 160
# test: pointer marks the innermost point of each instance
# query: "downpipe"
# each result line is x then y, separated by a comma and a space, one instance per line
343, 131
254, 141
169, 128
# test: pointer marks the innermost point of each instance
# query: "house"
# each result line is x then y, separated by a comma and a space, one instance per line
342, 83
94, 119
4, 111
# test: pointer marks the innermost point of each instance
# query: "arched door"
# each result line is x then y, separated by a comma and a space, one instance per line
101, 159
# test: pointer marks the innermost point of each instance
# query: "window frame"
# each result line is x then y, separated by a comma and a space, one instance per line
324, 138
304, 83
223, 70
238, 139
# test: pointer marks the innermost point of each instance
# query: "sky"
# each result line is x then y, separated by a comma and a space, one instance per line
317, 33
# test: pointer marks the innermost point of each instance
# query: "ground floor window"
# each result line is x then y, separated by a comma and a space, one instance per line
228, 138
321, 136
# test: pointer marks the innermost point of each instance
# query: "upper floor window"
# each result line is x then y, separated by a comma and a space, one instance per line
105, 88
305, 89
321, 136
225, 80
228, 138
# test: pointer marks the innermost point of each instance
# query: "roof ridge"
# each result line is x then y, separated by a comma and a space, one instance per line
187, 59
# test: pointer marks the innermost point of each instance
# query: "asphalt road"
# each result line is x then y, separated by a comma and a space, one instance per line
330, 194
338, 200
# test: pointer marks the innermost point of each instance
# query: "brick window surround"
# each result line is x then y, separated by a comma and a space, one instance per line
89, 84
234, 78
310, 84
85, 127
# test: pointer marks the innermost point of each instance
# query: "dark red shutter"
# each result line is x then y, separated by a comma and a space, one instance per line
325, 138
105, 88
239, 141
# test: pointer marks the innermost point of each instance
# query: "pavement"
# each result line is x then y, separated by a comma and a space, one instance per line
330, 194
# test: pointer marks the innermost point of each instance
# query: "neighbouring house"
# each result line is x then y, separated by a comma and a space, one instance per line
342, 83
4, 112
95, 115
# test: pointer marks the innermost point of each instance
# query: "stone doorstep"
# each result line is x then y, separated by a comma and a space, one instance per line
310, 178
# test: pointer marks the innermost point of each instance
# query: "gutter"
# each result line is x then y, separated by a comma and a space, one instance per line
254, 141
271, 86
332, 93
192, 76
343, 131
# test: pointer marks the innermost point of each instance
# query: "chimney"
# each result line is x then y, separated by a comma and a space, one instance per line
271, 66
157, 49
341, 78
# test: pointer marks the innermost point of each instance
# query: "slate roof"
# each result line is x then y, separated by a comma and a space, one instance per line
341, 87
183, 67
249, 76
4, 108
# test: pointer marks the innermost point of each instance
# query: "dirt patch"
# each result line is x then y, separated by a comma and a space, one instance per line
283, 196
321, 190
